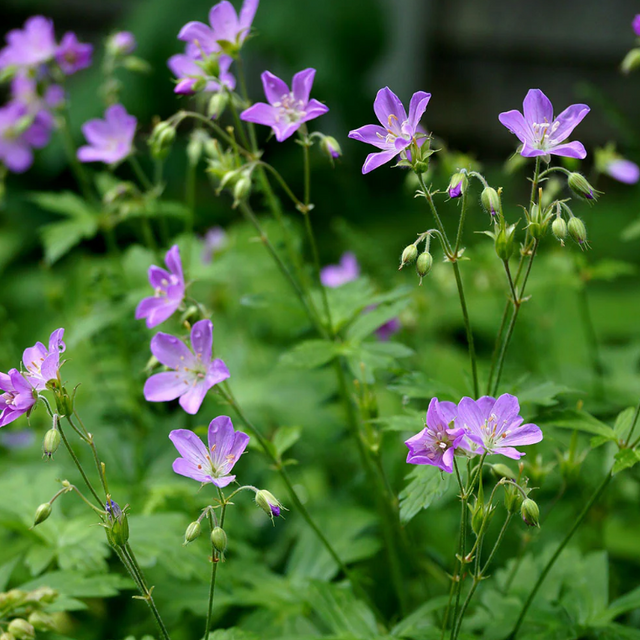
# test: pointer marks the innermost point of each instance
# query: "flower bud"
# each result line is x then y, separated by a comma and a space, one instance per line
502, 471
538, 222
217, 104
121, 43
42, 513
577, 230
504, 242
14, 598
161, 139
479, 512
409, 255
559, 229
219, 539
193, 531
458, 185
42, 621
491, 201
268, 503
20, 629
581, 187
241, 189
331, 147
512, 498
424, 264
631, 61
7, 636
51, 442
42, 595
530, 513
118, 524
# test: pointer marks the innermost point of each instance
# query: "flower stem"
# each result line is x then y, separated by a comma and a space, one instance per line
214, 563
76, 166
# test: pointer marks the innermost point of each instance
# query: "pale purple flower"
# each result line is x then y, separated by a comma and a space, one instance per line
20, 131
122, 43
540, 133
189, 69
43, 364
389, 328
30, 46
287, 110
168, 290
436, 444
212, 464
494, 426
18, 397
636, 24
110, 140
396, 131
214, 240
623, 170
24, 89
227, 28
335, 275
72, 55
192, 373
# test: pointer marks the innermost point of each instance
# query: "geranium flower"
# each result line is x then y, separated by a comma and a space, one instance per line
396, 131
30, 46
110, 140
494, 426
335, 275
43, 364
212, 464
18, 397
122, 43
168, 290
189, 68
193, 372
72, 55
623, 170
287, 110
540, 133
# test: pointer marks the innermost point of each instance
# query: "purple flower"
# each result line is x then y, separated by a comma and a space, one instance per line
494, 426
540, 133
110, 140
636, 24
213, 464
335, 275
43, 364
169, 290
287, 110
20, 131
31, 46
385, 331
623, 170
193, 373
227, 31
436, 443
24, 89
214, 239
122, 43
18, 397
72, 55
397, 131
189, 69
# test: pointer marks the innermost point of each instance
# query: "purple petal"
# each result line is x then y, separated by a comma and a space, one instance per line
623, 171
314, 109
302, 83
159, 278
172, 352
537, 107
120, 121
55, 341
509, 452
447, 460
172, 260
448, 411
147, 306
202, 340
189, 446
526, 434
158, 314
274, 88
165, 386
260, 113
185, 468
470, 417
375, 160
224, 21
372, 134
33, 357
570, 150
224, 481
568, 120
417, 107
515, 122
529, 151
217, 372
485, 405
283, 131
16, 157
192, 400
388, 104
247, 14
506, 407
197, 31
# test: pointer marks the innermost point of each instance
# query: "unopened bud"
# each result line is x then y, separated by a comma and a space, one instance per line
51, 442
559, 229
14, 598
161, 139
268, 503
530, 513
512, 498
241, 189
118, 524
43, 595
20, 629
538, 222
42, 513
577, 231
458, 185
480, 512
491, 201
581, 187
631, 61
502, 471
504, 242
409, 255
331, 147
219, 539
42, 621
193, 531
217, 104
7, 636
121, 43
424, 264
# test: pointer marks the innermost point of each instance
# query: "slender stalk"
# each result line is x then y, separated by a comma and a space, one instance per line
214, 564
496, 346
88, 438
512, 288
147, 232
463, 213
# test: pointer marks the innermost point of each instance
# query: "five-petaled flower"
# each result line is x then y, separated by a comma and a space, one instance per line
436, 443
43, 364
396, 131
335, 275
212, 464
287, 110
18, 397
110, 140
540, 133
31, 46
72, 55
191, 70
168, 290
192, 373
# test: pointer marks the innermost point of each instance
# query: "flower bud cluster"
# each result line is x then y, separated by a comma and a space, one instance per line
424, 260
24, 610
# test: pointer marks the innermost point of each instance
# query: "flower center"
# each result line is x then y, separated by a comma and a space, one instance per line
289, 109
543, 131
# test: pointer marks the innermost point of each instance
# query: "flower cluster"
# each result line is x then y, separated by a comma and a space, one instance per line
473, 427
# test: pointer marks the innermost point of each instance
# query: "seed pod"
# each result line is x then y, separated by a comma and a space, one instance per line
20, 629
193, 531
219, 539
42, 513
409, 255
51, 442
530, 513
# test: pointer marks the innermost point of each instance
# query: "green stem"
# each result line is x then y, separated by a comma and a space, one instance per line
88, 438
147, 232
463, 213
214, 564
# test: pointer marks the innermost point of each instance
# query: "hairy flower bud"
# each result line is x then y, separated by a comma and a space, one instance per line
20, 629
409, 255
118, 524
581, 187
631, 61
424, 264
504, 242
559, 229
217, 104
491, 201
578, 231
530, 513
268, 503
330, 147
219, 539
161, 139
193, 531
42, 595
13, 598
42, 621
51, 442
42, 513
241, 189
458, 185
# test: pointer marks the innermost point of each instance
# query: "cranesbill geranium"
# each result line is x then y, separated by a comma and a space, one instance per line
212, 464
192, 373
168, 290
43, 364
31, 46
190, 69
494, 426
540, 133
436, 444
287, 110
72, 55
110, 140
335, 275
396, 131
18, 397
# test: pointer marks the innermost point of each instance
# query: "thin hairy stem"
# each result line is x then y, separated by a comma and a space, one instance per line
215, 561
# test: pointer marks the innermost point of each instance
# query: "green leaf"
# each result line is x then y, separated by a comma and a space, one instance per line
368, 322
610, 270
625, 458
577, 420
426, 484
418, 385
543, 394
421, 620
310, 354
5, 573
624, 604
284, 438
413, 421
235, 633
